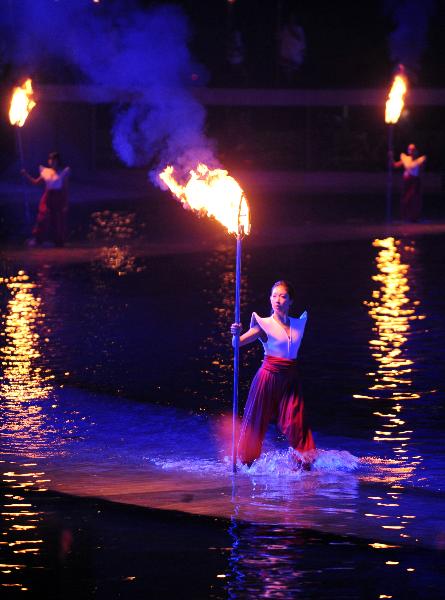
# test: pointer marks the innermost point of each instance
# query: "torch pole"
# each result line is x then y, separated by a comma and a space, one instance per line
389, 175
239, 238
19, 141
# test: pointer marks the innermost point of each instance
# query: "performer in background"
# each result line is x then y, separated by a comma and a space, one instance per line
411, 199
275, 392
50, 225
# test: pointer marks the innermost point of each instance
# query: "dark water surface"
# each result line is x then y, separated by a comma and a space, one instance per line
117, 373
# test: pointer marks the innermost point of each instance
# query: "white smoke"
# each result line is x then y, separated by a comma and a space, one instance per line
141, 53
408, 39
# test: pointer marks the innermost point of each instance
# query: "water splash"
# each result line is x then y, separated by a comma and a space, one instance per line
275, 463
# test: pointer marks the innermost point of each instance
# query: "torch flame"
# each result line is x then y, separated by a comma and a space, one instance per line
22, 104
214, 193
395, 102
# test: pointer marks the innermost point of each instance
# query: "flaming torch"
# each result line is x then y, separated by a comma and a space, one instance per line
216, 194
22, 103
393, 110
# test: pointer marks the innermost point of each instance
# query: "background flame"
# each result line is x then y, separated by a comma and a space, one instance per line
22, 104
214, 193
395, 102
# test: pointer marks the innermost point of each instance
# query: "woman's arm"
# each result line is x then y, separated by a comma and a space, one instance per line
393, 163
420, 160
33, 180
65, 176
247, 338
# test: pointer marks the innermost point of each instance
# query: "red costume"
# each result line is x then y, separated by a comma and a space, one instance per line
51, 216
411, 199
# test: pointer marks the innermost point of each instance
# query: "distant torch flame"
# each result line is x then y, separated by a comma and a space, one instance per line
213, 193
395, 102
22, 104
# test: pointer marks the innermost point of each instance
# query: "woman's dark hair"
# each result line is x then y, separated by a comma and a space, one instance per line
55, 156
288, 287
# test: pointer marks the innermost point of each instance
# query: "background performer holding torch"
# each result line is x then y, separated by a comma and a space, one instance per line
275, 392
50, 225
411, 199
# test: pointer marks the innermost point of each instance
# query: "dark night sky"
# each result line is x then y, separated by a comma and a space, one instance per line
347, 42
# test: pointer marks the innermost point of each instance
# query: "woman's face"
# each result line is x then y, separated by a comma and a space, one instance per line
280, 300
53, 162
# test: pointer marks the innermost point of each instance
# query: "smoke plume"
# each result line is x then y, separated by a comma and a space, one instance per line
141, 52
408, 39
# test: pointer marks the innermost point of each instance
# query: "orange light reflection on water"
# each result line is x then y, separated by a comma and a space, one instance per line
24, 378
20, 522
393, 312
118, 231
25, 382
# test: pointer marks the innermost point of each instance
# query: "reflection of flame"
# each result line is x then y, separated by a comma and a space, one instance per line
393, 313
108, 224
214, 193
119, 259
21, 522
111, 225
22, 104
26, 429
23, 378
395, 102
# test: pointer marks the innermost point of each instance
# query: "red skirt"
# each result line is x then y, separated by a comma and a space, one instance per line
51, 217
274, 395
411, 200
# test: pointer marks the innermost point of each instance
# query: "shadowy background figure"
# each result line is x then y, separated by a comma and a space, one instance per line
50, 225
411, 198
292, 50
235, 55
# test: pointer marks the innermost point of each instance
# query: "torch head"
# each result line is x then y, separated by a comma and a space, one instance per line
22, 103
215, 193
396, 99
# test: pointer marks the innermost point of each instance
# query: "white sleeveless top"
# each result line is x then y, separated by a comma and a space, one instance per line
278, 343
53, 179
411, 165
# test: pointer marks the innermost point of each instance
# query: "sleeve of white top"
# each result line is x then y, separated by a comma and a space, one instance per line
303, 315
258, 321
405, 159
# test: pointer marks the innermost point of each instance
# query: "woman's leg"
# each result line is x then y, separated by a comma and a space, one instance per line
415, 201
291, 418
40, 229
257, 415
57, 208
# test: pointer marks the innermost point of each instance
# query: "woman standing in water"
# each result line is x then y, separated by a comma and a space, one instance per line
275, 392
